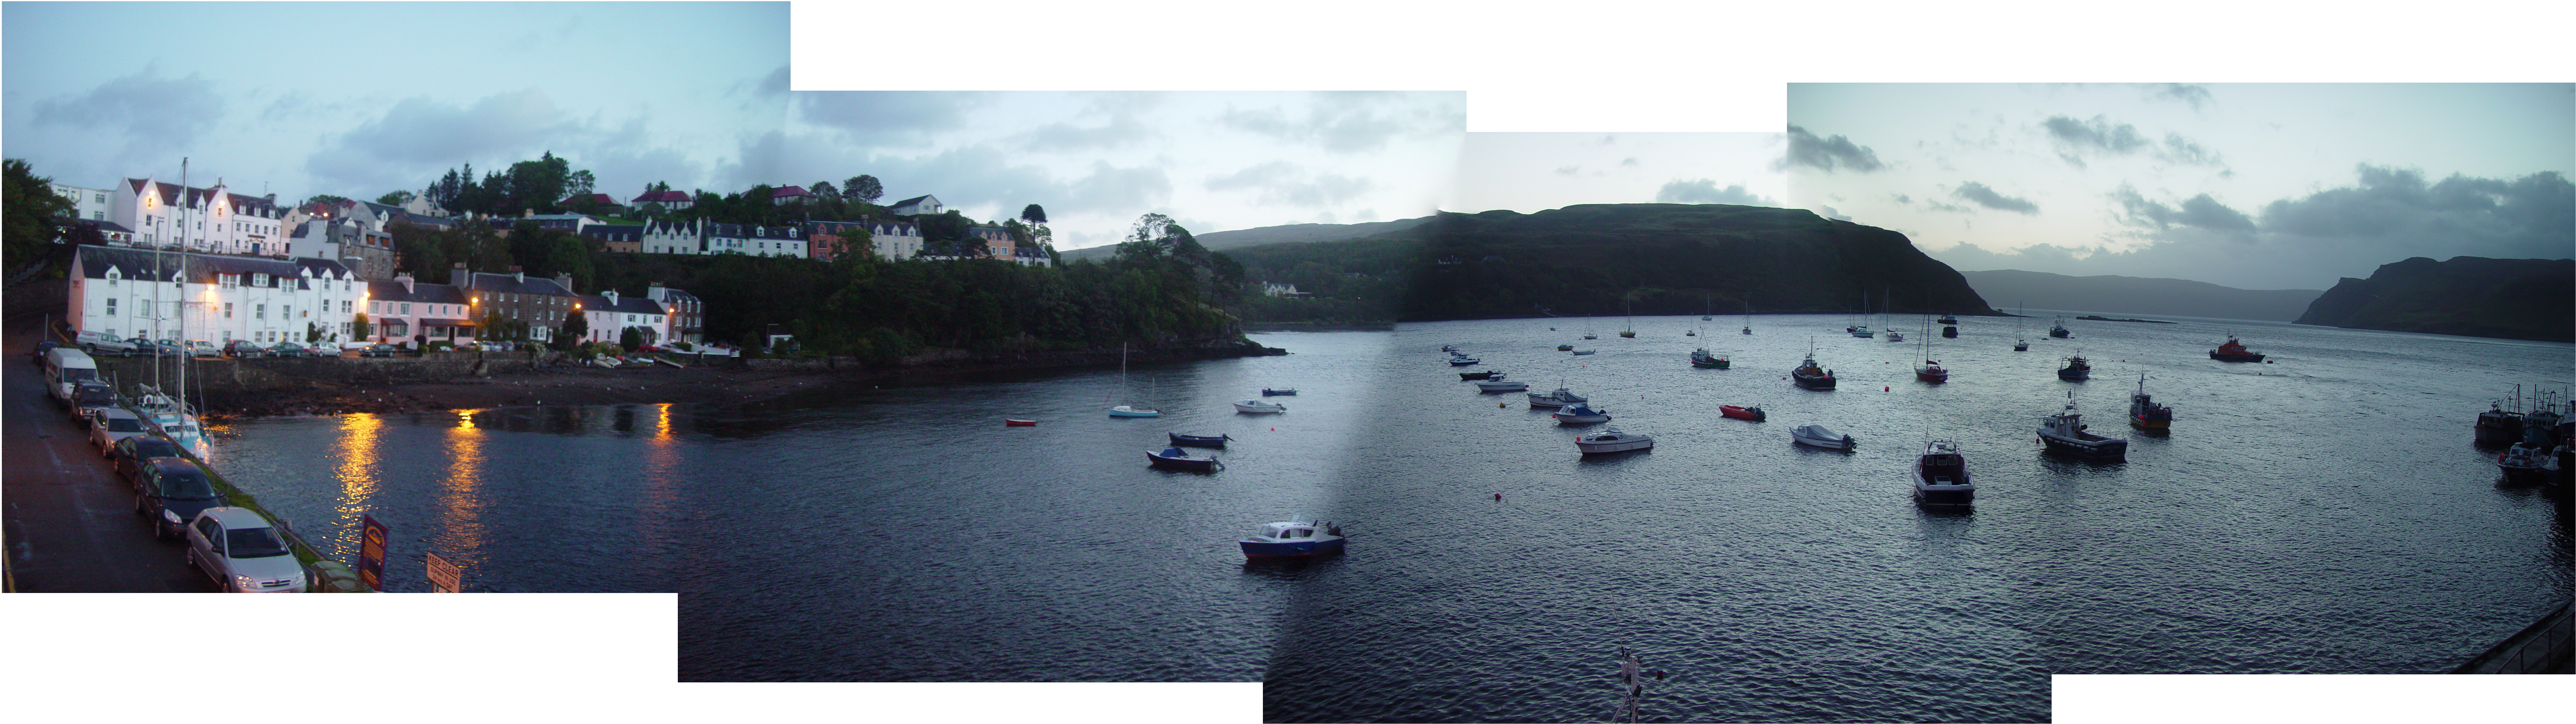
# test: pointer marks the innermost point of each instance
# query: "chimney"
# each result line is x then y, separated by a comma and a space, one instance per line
654, 291
611, 295
517, 274
405, 278
525, 213
565, 279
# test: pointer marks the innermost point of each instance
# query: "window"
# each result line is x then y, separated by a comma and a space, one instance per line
259, 311
259, 280
227, 281
228, 314
111, 306
99, 197
344, 306
406, 308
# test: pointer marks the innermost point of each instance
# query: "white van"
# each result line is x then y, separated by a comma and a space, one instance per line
65, 369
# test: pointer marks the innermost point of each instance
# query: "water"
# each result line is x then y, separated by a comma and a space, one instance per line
2325, 514
865, 534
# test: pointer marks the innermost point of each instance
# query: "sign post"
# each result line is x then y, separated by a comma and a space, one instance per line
371, 554
442, 575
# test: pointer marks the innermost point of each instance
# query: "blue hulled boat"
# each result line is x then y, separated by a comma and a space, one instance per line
1199, 440
1173, 458
1293, 539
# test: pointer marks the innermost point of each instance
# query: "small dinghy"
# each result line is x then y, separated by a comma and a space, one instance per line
1612, 441
1172, 458
1498, 384
1560, 397
1580, 413
1198, 440
1268, 392
1485, 375
1585, 351
1293, 539
1740, 412
2065, 432
1448, 348
1818, 436
1565, 348
1134, 411
1018, 422
1258, 406
1941, 475
1463, 361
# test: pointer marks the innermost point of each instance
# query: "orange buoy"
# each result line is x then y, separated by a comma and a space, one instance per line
1498, 496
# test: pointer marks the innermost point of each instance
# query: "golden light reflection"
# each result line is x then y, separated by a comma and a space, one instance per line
460, 504
357, 470
661, 497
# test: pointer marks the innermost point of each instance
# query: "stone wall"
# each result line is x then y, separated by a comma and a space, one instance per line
260, 375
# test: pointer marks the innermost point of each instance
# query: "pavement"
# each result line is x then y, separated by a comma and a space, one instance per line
68, 522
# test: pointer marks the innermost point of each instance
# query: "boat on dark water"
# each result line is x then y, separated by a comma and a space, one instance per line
1269, 392
1703, 359
1946, 318
2058, 329
1174, 459
2523, 463
1950, 332
2065, 432
1742, 412
2497, 426
1819, 436
2145, 412
1565, 348
1613, 441
2234, 351
2076, 369
1811, 375
1559, 397
1293, 539
1580, 413
1485, 375
1941, 475
1199, 440
1018, 422
1464, 361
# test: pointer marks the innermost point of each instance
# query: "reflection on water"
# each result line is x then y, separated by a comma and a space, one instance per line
460, 504
356, 472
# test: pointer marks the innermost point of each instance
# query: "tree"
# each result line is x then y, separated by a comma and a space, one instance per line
1033, 214
863, 187
32, 210
630, 338
312, 332
325, 198
576, 326
394, 198
824, 189
358, 329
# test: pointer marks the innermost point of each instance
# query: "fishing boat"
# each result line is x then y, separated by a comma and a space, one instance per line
1173, 458
1611, 440
1129, 410
2145, 412
1181, 440
1580, 413
1690, 333
1559, 397
2065, 432
1463, 361
1482, 375
1498, 384
1941, 475
1946, 318
1631, 331
1269, 392
1568, 347
1293, 539
1931, 370
1702, 358
1810, 375
2234, 351
2498, 426
1741, 412
1018, 422
1818, 436
1258, 406
1448, 348
2524, 462
2076, 369
2058, 329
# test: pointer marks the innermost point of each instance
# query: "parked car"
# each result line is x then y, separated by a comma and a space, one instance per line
169, 492
110, 424
242, 552
41, 346
377, 350
132, 452
101, 344
326, 349
202, 348
150, 347
91, 396
245, 348
290, 349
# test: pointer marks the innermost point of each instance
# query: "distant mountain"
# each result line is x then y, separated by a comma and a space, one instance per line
2468, 295
1597, 259
2138, 295
1223, 240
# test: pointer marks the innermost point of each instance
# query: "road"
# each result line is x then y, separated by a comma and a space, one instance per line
69, 522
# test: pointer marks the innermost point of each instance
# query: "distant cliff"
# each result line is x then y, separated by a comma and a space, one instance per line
1670, 259
1285, 233
2009, 288
2470, 296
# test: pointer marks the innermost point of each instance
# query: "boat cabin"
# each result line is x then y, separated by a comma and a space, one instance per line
1288, 531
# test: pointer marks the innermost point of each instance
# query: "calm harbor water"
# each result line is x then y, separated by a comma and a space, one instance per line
2325, 514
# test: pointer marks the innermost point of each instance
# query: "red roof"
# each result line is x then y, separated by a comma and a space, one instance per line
665, 196
593, 198
789, 191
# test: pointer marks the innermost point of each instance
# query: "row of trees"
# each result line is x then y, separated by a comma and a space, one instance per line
540, 185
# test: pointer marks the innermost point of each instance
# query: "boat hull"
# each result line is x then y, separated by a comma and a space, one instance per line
1157, 459
1932, 377
1929, 494
1834, 444
2104, 448
1197, 440
1825, 382
2224, 357
1491, 386
1319, 546
1488, 374
1127, 412
2075, 375
1266, 392
2148, 423
1565, 419
1259, 409
1463, 362
1616, 446
1015, 422
1741, 413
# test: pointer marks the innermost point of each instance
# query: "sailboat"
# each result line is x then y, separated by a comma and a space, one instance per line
1862, 329
2020, 343
1892, 334
1704, 308
1587, 328
1631, 331
1129, 410
1748, 316
1931, 370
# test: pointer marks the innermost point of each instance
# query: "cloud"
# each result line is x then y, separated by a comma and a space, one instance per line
1283, 183
417, 136
990, 176
1949, 207
1828, 153
2179, 92
889, 117
1567, 170
2199, 212
1120, 130
1831, 213
2533, 216
1352, 122
1989, 198
1705, 191
2178, 149
1904, 199
1629, 161
2099, 136
155, 113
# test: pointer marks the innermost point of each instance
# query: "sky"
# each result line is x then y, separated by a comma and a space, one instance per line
2261, 186
1528, 172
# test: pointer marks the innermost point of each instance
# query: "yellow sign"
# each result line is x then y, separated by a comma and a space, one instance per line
442, 575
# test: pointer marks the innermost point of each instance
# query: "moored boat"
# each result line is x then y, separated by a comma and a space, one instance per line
1018, 422
1448, 348
1932, 372
1580, 414
2234, 351
1947, 318
2065, 432
1199, 440
1463, 361
1280, 391
1293, 539
2145, 412
1811, 375
1818, 436
1258, 406
1569, 347
2058, 329
1559, 397
1498, 384
1483, 375
2076, 369
1134, 411
1173, 458
1742, 412
1612, 440
1584, 351
2497, 426
2524, 462
1941, 475
1704, 359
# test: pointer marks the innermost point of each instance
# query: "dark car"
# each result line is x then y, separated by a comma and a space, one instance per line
164, 347
91, 396
377, 350
290, 349
170, 492
245, 348
131, 453
40, 351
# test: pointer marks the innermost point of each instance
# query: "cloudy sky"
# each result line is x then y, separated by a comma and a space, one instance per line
2253, 186
1529, 172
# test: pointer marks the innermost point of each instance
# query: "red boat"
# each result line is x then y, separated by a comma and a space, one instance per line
2234, 351
1017, 422
1739, 412
1931, 372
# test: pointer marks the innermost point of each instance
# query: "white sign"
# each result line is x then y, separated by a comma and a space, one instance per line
442, 575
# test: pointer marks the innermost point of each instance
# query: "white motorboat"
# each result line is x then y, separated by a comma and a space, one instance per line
1818, 436
1580, 414
1258, 406
1463, 361
1558, 398
1134, 411
171, 418
1584, 351
1941, 475
1498, 384
2065, 432
1611, 440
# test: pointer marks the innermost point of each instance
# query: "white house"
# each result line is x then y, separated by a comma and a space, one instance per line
670, 200
755, 240
368, 252
672, 237
686, 312
87, 204
923, 204
610, 314
129, 292
216, 220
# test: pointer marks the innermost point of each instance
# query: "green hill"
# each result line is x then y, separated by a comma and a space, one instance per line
1286, 233
2468, 295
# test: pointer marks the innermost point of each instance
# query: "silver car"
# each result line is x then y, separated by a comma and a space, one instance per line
242, 553
110, 424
